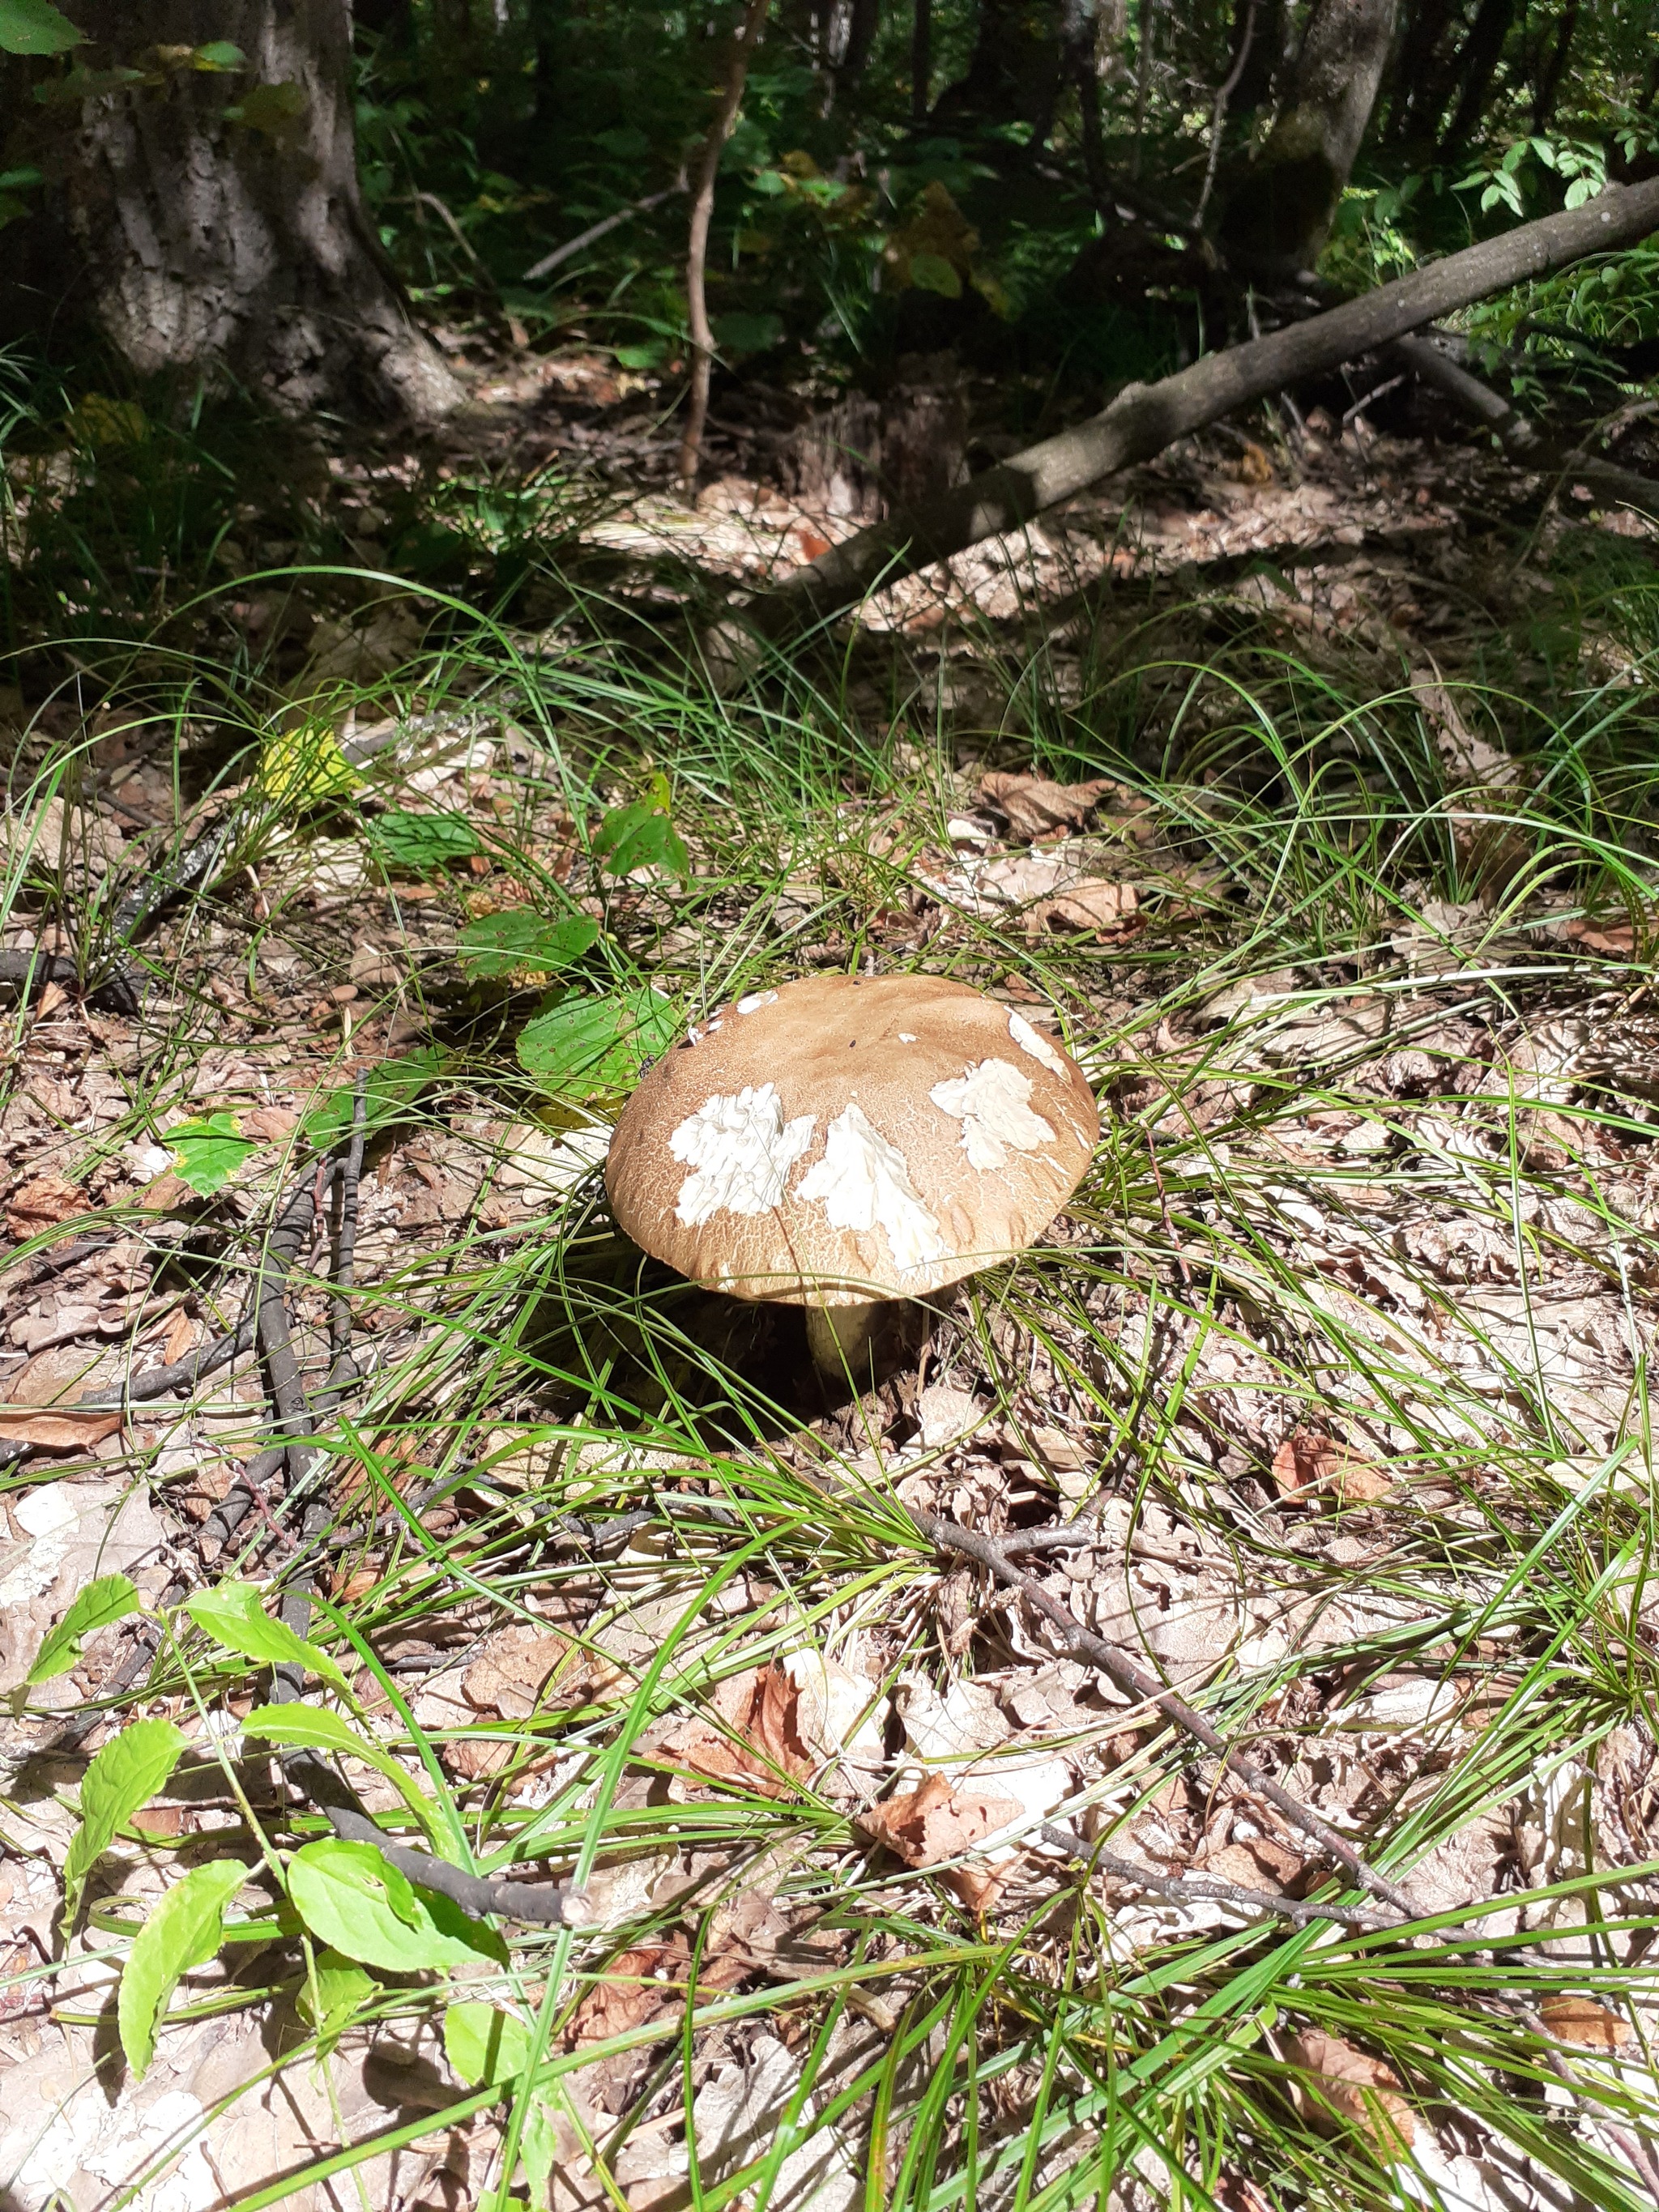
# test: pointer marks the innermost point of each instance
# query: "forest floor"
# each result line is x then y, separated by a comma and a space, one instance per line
1302, 785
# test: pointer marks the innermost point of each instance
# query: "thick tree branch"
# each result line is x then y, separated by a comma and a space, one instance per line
1519, 438
1146, 418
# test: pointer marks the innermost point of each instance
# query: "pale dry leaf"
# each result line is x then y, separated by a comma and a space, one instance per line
41, 1205
508, 1676
1341, 2086
1601, 937
1309, 1461
838, 1715
1584, 2022
43, 1430
181, 1332
270, 1124
1253, 1862
1090, 909
761, 1743
1035, 807
941, 1820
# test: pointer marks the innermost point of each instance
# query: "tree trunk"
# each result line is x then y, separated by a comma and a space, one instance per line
1421, 80
1280, 212
1146, 418
1014, 73
1553, 68
205, 240
1482, 52
921, 61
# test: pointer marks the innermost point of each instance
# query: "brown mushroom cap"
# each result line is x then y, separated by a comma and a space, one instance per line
840, 1140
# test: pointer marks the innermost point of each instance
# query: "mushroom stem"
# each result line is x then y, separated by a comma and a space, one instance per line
837, 1336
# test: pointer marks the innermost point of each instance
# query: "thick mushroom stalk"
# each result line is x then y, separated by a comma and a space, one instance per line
838, 1337
845, 1142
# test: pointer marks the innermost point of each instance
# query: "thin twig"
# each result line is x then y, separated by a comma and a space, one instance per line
550, 262
697, 251
1225, 91
1118, 1668
547, 1904
1195, 1889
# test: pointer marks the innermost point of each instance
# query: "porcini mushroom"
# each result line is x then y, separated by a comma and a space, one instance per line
843, 1141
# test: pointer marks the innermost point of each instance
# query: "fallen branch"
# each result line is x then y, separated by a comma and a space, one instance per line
1205, 1889
1520, 439
1134, 1681
1146, 418
595, 231
547, 1904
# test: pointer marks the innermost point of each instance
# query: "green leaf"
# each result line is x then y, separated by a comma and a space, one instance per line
498, 944
208, 1153
78, 84
35, 27
421, 841
320, 1730
931, 272
581, 1047
354, 1898
341, 1992
234, 1615
218, 54
640, 837
484, 2045
304, 767
650, 354
276, 109
111, 1597
745, 333
126, 1774
183, 1930
389, 1091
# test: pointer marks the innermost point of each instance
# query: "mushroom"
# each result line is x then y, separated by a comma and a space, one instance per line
843, 1141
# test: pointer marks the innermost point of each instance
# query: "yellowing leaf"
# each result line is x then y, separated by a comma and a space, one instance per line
304, 766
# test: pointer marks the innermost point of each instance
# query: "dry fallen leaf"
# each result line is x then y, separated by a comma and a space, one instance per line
1597, 937
58, 1430
1309, 1461
1584, 2022
507, 1678
1096, 910
270, 1123
1035, 807
1344, 2086
179, 1337
939, 1821
646, 1979
763, 1733
41, 1205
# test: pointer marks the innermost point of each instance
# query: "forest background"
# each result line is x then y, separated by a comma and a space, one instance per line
523, 522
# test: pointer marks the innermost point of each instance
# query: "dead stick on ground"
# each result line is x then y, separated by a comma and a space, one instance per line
696, 251
1118, 1668
1146, 418
1520, 439
547, 1904
1204, 1889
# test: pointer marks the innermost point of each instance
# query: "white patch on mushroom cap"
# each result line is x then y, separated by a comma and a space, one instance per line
740, 1151
753, 1001
989, 1100
1034, 1042
864, 1182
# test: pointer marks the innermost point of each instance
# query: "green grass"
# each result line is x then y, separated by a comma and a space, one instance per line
1229, 1275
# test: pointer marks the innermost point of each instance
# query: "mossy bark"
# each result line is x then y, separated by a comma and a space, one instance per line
1279, 213
210, 219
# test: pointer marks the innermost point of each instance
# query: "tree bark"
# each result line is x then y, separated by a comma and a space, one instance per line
1144, 419
1482, 51
1421, 77
1433, 365
1279, 214
1014, 73
1552, 68
921, 61
696, 251
201, 241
